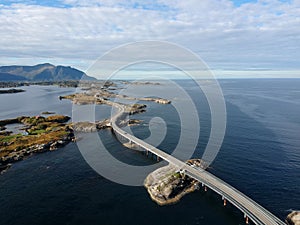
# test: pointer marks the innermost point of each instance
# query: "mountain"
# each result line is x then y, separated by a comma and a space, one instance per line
11, 77
41, 72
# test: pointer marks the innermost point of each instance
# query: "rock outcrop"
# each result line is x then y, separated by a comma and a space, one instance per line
91, 127
293, 218
167, 185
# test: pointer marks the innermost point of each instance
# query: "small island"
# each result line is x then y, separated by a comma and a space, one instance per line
48, 113
293, 218
85, 126
11, 91
167, 185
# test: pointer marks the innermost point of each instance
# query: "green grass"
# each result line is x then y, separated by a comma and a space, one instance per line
9, 138
177, 175
35, 132
40, 132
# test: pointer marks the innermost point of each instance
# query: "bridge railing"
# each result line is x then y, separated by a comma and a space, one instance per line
129, 143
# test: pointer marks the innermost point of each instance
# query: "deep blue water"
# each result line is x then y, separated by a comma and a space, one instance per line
260, 156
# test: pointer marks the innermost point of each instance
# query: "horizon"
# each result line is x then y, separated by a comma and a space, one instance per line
175, 74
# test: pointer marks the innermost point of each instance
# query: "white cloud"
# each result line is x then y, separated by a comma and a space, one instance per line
264, 34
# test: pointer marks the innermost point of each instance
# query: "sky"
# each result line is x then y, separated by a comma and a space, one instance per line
233, 37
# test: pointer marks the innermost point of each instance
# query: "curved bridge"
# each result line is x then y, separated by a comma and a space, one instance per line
252, 210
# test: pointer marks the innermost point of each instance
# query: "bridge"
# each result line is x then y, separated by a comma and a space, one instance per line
251, 210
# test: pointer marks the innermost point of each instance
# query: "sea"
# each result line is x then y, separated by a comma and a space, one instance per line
260, 156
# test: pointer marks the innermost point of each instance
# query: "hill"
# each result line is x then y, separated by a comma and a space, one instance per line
11, 77
41, 72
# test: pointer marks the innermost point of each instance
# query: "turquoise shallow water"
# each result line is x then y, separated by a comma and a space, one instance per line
260, 156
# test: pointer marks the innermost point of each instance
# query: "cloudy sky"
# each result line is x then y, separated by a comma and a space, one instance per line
255, 36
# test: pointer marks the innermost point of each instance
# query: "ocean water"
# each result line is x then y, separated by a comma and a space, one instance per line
260, 156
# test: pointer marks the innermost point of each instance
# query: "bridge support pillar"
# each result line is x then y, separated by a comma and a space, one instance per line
157, 158
205, 188
247, 219
224, 201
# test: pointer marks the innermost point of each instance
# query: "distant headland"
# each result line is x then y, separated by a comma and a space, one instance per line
41, 72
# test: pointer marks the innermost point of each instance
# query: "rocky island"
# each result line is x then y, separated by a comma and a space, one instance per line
167, 185
86, 126
11, 91
293, 218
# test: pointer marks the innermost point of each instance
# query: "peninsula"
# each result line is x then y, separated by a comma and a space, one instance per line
36, 134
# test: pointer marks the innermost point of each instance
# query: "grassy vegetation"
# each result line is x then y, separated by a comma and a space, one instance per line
33, 121
20, 142
40, 130
9, 138
177, 175
57, 118
81, 98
